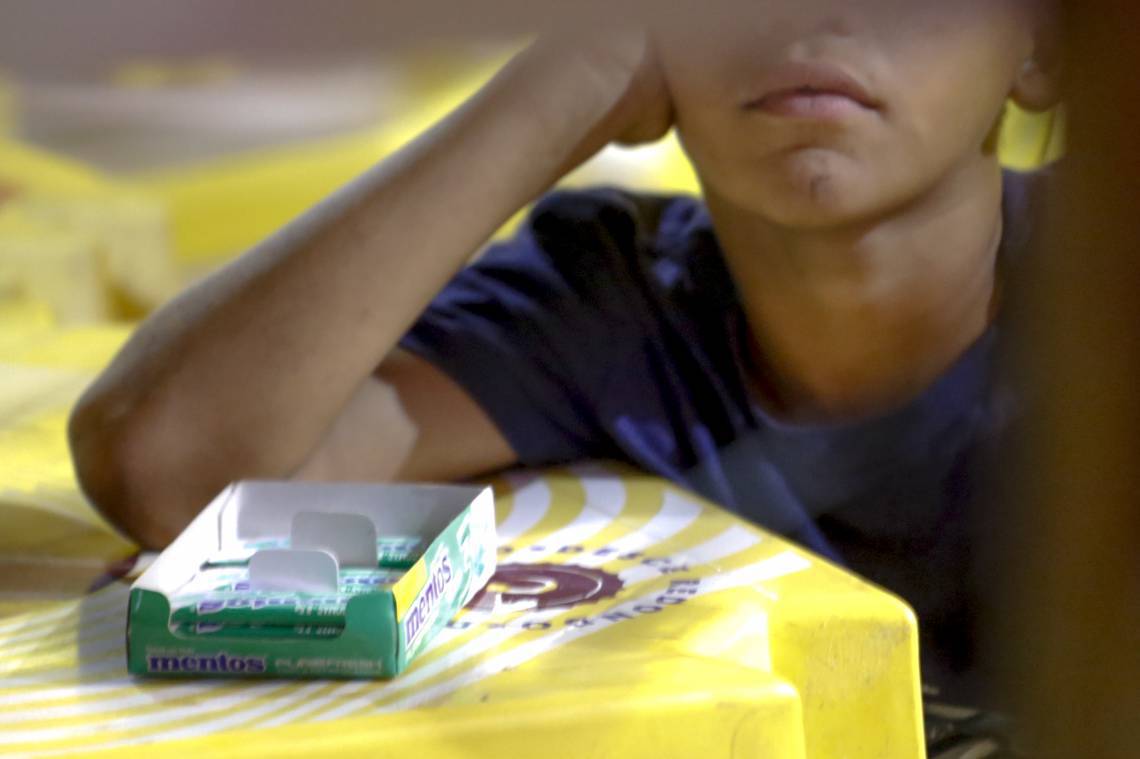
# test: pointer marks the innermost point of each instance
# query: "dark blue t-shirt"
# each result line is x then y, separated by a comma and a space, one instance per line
609, 327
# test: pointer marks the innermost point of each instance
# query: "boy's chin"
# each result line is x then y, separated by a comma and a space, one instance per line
800, 207
813, 194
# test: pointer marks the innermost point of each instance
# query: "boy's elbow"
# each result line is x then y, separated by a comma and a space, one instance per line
121, 469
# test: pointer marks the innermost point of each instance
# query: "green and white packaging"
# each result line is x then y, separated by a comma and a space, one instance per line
355, 620
226, 596
392, 552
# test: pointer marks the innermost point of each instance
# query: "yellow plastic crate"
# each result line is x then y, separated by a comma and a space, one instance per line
24, 168
43, 264
628, 618
76, 244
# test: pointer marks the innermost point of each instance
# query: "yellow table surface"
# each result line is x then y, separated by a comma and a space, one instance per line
629, 618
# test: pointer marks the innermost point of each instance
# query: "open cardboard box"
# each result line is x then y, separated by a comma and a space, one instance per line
384, 628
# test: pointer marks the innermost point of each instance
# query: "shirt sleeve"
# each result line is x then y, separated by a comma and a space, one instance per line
526, 329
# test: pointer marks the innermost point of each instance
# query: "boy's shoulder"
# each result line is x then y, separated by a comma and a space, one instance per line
575, 319
607, 205
573, 220
614, 238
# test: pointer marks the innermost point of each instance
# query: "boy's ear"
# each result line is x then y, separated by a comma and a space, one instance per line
1037, 86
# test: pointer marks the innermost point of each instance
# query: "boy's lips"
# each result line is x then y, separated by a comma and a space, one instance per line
810, 91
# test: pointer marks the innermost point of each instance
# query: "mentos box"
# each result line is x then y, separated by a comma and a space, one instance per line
293, 579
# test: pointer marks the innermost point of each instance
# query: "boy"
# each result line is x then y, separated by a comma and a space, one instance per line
810, 345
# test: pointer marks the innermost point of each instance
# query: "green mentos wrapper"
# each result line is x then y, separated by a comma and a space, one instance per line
223, 596
398, 552
256, 609
221, 579
210, 629
393, 551
214, 578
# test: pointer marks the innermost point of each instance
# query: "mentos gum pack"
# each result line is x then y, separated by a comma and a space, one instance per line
297, 579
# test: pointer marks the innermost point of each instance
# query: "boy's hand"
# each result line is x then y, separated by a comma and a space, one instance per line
645, 111
619, 68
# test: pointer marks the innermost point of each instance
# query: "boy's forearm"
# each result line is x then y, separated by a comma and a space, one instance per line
243, 373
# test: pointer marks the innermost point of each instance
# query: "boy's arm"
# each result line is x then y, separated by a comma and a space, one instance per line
268, 368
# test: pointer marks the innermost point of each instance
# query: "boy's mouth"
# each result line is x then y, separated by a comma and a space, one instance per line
820, 91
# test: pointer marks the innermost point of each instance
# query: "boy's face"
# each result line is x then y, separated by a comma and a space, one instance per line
815, 113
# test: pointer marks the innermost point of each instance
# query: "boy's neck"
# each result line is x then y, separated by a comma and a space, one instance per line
854, 321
